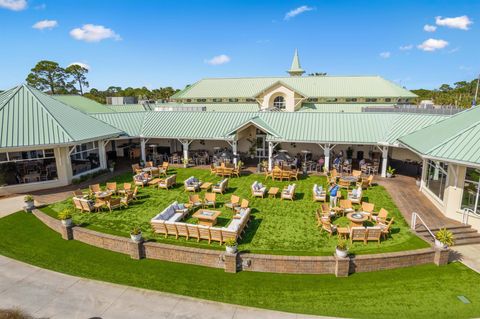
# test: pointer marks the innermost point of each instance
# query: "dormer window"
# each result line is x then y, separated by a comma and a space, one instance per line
232, 100
279, 102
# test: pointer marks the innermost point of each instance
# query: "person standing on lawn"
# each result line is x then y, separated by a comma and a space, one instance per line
333, 190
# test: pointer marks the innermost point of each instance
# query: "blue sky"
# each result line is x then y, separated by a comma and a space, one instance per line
174, 43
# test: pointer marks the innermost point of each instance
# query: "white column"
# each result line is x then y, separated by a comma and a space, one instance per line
436, 171
384, 161
326, 152
143, 154
102, 154
424, 173
185, 150
234, 150
270, 154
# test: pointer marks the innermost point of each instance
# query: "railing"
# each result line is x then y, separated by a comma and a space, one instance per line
467, 212
413, 224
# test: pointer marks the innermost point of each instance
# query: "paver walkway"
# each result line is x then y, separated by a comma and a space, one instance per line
408, 198
10, 205
48, 294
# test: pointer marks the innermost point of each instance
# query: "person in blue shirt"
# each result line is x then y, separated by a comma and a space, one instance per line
333, 189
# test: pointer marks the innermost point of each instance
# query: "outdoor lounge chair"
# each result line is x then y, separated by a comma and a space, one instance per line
213, 169
237, 171
149, 164
357, 234
365, 183
288, 192
220, 187
386, 228
77, 204
114, 203
368, 209
87, 206
321, 216
127, 187
373, 233
192, 184
95, 188
135, 167
128, 197
243, 206
258, 190
328, 227
344, 184
319, 194
135, 192
356, 173
234, 202
346, 206
163, 170
195, 201
381, 217
78, 193
112, 187
355, 196
210, 200
168, 182
141, 179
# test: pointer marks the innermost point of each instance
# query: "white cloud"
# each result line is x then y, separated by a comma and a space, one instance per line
45, 24
83, 65
406, 47
385, 55
295, 12
14, 5
432, 45
42, 6
455, 23
93, 33
429, 28
218, 59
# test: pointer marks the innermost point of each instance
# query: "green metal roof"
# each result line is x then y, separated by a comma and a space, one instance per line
83, 104
216, 107
311, 86
126, 108
338, 107
29, 117
456, 138
346, 128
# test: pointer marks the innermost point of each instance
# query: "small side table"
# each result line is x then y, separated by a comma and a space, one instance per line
273, 191
206, 186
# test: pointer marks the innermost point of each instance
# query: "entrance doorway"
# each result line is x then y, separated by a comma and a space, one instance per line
261, 150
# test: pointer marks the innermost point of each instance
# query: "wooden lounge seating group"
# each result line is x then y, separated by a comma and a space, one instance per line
168, 182
192, 184
258, 190
221, 187
168, 223
288, 192
319, 194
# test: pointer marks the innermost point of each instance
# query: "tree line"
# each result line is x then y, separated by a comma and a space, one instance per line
50, 77
460, 94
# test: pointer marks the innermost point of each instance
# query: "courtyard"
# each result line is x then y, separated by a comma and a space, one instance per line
277, 226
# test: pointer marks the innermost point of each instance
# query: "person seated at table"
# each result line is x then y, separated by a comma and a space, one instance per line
295, 162
362, 162
333, 190
321, 162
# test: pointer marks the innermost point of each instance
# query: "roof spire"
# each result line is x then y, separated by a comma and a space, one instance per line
296, 69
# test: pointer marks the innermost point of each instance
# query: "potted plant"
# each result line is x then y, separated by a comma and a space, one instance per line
231, 246
111, 167
65, 217
341, 250
136, 234
444, 238
390, 171
29, 204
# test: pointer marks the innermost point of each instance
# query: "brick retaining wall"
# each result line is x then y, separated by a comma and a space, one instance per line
246, 261
186, 255
287, 264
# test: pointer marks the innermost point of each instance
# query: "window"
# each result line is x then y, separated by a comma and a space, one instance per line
189, 100
279, 102
85, 158
201, 100
312, 99
217, 100
388, 99
351, 99
331, 99
27, 167
232, 100
471, 190
436, 177
250, 100
368, 99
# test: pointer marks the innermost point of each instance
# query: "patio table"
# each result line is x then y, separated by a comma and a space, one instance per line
206, 186
273, 191
207, 217
357, 219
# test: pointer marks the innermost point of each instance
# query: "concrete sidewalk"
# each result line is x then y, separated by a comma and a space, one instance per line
469, 255
45, 293
10, 205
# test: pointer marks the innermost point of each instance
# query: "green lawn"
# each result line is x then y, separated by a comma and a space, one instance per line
418, 292
278, 227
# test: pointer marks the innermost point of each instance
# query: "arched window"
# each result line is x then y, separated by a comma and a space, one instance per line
279, 102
